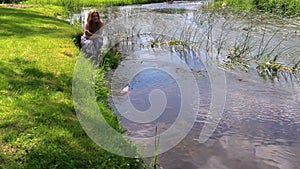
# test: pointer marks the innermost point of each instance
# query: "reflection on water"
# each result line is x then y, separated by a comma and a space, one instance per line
261, 124
140, 88
259, 129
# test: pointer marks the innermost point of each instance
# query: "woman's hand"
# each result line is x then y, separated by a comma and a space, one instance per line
94, 36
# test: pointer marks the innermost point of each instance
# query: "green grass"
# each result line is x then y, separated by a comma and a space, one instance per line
38, 124
81, 3
279, 7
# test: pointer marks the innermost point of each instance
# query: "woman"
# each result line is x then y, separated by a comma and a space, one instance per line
92, 39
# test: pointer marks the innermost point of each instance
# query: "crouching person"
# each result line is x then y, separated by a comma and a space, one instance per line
92, 40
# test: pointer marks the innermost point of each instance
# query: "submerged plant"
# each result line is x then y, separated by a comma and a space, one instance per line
236, 59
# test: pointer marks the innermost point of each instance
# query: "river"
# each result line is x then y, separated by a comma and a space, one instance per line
257, 120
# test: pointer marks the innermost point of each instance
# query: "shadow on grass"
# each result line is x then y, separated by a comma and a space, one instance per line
38, 124
33, 79
40, 128
18, 22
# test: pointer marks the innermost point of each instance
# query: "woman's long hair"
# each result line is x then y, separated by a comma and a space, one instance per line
92, 25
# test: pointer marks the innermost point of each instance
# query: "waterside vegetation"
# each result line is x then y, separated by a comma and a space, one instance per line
288, 8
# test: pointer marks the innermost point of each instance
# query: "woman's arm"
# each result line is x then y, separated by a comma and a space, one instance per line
97, 34
86, 31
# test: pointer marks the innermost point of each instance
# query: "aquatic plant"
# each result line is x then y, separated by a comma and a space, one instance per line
170, 10
270, 68
267, 67
155, 164
173, 42
251, 47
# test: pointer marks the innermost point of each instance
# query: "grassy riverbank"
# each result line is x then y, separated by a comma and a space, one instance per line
279, 7
71, 4
85, 3
38, 124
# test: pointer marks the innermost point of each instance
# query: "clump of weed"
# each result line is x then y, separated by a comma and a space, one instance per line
170, 10
111, 60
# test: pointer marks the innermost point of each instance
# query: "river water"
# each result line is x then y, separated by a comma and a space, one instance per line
259, 126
